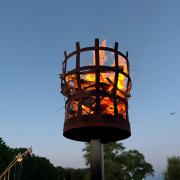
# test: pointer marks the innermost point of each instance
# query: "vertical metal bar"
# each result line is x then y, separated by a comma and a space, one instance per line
78, 64
116, 77
78, 75
128, 83
65, 62
97, 160
97, 76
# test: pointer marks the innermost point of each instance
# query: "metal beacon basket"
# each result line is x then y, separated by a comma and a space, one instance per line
96, 94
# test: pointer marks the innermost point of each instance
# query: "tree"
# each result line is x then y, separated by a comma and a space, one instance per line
134, 165
121, 164
6, 155
36, 167
173, 168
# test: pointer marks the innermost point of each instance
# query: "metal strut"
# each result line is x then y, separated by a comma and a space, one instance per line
17, 159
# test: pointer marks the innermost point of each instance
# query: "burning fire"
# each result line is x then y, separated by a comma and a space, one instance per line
106, 84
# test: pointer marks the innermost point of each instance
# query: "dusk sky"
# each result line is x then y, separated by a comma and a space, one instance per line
33, 37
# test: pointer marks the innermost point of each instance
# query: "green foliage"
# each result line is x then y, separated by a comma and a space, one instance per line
121, 164
173, 168
6, 155
36, 168
86, 154
33, 168
134, 165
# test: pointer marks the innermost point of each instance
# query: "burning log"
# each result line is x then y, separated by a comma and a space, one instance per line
126, 93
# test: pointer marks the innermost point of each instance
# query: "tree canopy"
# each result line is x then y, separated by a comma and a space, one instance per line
121, 164
173, 168
35, 167
6, 155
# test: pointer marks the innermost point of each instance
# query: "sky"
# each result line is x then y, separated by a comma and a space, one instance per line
33, 37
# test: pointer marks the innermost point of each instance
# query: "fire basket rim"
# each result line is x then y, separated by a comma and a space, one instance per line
92, 48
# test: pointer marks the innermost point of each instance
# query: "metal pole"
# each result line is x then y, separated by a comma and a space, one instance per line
97, 160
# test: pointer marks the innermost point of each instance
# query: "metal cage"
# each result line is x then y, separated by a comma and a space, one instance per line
97, 95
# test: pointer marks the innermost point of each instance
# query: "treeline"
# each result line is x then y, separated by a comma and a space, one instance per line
35, 167
120, 164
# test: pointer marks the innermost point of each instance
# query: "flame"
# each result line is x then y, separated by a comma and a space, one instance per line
107, 106
102, 56
106, 83
122, 109
89, 77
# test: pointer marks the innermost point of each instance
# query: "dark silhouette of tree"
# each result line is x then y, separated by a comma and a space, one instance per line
121, 164
6, 155
36, 168
30, 168
173, 168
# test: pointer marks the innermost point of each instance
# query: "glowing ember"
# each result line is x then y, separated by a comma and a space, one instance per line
107, 106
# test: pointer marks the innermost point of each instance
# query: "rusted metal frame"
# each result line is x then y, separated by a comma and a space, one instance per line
113, 69
64, 66
102, 69
65, 62
127, 62
78, 76
128, 68
115, 78
81, 50
83, 94
128, 83
98, 67
62, 75
78, 64
97, 80
93, 48
112, 50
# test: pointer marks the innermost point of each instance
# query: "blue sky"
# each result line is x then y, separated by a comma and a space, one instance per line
33, 37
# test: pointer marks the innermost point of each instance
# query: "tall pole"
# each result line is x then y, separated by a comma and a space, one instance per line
97, 159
